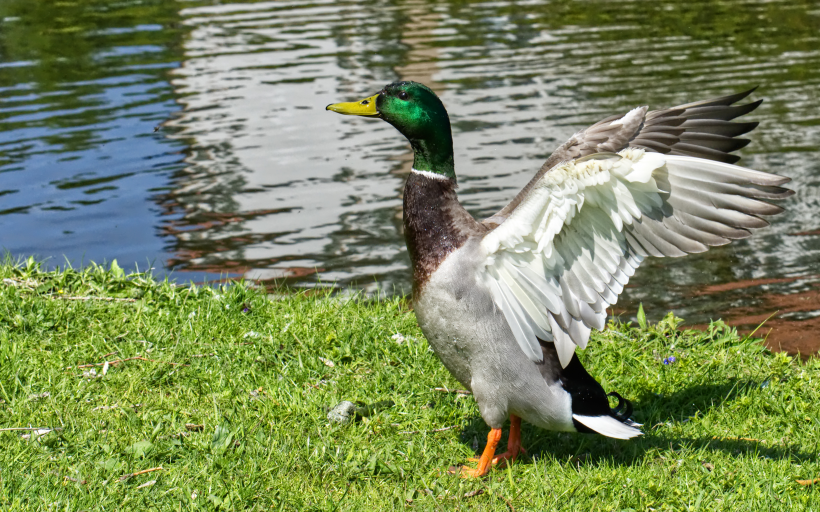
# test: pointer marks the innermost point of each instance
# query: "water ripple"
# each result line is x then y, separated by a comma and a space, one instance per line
249, 176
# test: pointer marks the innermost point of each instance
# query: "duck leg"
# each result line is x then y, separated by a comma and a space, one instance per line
486, 460
514, 443
488, 457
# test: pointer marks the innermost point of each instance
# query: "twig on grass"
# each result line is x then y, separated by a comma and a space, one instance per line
70, 479
496, 493
106, 299
130, 475
27, 283
118, 361
407, 432
314, 386
13, 429
732, 438
202, 355
456, 391
30, 284
512, 509
175, 436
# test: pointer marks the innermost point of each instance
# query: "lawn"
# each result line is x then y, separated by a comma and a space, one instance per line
139, 394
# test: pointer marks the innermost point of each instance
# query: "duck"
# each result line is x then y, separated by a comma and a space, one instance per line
506, 301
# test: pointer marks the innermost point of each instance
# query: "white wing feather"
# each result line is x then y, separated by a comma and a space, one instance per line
566, 252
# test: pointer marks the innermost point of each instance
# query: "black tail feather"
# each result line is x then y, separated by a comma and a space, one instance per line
623, 410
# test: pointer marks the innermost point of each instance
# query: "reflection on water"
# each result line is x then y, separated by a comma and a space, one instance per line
82, 86
271, 187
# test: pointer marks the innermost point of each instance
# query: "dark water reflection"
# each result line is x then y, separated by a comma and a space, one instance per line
248, 176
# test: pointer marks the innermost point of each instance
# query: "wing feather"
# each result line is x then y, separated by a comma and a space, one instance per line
703, 129
567, 251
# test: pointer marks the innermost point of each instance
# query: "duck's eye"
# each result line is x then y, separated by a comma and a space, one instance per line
403, 95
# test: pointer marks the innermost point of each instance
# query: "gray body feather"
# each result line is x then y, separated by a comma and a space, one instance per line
471, 337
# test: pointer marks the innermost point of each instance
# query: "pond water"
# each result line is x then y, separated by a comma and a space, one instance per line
191, 136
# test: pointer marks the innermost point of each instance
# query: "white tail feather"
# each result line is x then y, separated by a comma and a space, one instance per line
608, 426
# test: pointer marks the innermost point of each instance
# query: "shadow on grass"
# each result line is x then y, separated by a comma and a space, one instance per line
654, 411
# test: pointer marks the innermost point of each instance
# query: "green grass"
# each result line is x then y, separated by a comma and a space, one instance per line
728, 426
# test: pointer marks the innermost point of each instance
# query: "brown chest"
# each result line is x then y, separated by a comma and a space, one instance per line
435, 224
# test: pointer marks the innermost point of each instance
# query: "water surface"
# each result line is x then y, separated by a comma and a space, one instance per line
192, 136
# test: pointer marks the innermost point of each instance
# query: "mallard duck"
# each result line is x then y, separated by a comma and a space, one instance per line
504, 302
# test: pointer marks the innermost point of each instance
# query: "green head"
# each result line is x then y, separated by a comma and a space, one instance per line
419, 115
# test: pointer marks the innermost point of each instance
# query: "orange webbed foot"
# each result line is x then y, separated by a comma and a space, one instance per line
514, 448
467, 471
488, 458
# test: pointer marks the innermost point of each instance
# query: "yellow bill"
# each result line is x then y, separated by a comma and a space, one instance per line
365, 107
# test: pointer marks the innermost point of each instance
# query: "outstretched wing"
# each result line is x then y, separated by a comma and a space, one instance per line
566, 252
702, 129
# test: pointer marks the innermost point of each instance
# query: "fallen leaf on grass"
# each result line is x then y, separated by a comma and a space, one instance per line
193, 427
149, 483
401, 338
258, 394
809, 482
327, 362
36, 433
471, 494
91, 374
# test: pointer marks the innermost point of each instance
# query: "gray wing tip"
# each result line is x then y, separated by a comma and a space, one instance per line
774, 180
748, 107
729, 99
782, 193
742, 95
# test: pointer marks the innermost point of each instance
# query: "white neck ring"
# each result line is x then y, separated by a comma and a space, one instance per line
431, 175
